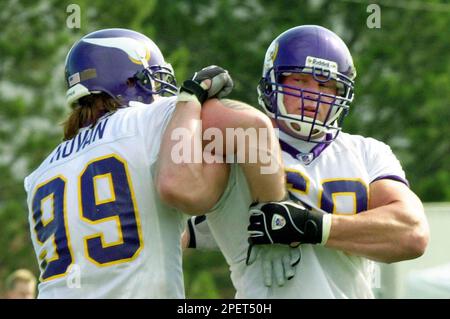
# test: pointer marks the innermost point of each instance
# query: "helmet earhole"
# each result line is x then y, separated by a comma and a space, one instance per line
131, 82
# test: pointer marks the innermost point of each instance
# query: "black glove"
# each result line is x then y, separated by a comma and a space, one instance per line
220, 84
284, 223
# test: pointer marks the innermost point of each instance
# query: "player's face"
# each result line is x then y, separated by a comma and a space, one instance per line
295, 104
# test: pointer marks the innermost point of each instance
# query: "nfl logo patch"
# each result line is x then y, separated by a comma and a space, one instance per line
278, 222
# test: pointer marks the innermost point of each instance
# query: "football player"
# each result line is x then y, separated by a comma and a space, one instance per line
98, 228
98, 225
350, 201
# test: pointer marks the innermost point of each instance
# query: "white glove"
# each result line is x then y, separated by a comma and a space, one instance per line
277, 261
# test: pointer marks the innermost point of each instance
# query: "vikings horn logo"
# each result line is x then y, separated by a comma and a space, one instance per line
137, 52
271, 55
273, 51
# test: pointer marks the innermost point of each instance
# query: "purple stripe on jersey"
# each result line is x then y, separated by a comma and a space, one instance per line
393, 177
289, 149
320, 148
315, 152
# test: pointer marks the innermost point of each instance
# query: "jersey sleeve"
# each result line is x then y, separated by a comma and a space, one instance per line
382, 163
152, 121
26, 183
228, 192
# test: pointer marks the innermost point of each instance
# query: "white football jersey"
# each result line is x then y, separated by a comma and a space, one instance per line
334, 179
98, 227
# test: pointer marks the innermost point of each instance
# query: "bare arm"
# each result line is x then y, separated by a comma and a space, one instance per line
262, 165
393, 229
185, 237
190, 185
195, 186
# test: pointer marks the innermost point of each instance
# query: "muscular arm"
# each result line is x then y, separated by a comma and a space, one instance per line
195, 187
191, 186
265, 176
393, 229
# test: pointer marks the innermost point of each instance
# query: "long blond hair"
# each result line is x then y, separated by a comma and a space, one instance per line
86, 112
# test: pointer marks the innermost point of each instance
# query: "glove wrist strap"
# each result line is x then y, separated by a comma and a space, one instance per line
311, 225
192, 241
194, 88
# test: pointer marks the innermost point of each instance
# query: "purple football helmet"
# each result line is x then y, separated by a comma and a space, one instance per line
122, 63
321, 53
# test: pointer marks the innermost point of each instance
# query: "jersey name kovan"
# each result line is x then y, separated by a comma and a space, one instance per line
80, 141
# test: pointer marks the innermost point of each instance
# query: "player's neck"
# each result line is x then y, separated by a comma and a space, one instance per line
302, 146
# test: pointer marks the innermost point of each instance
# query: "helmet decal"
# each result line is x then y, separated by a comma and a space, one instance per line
106, 60
271, 55
81, 76
74, 79
137, 51
314, 62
